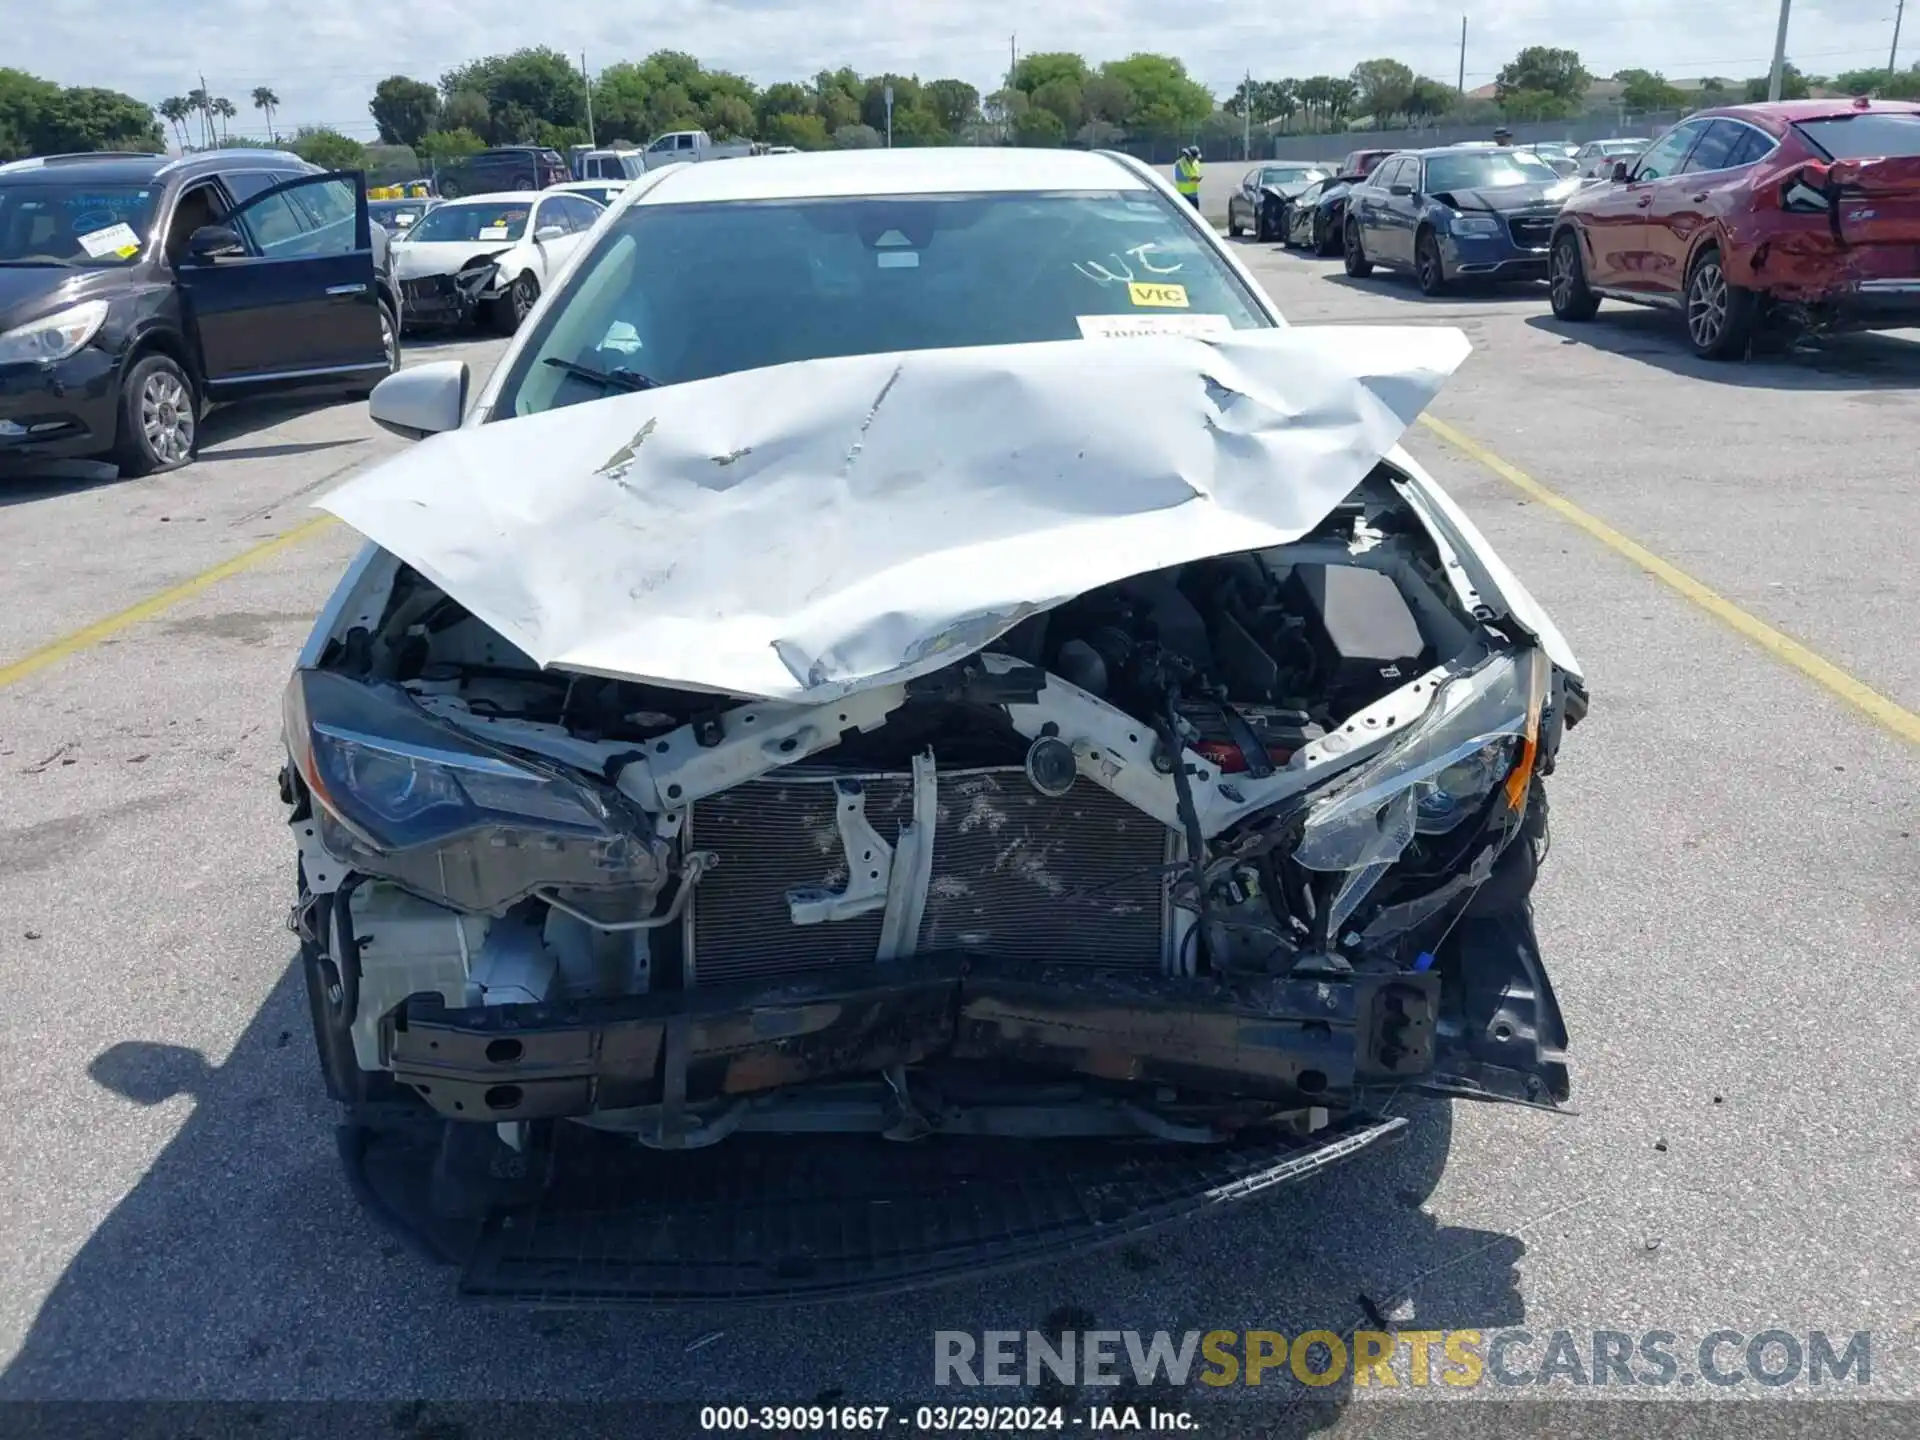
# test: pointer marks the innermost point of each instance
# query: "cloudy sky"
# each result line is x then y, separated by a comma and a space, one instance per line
323, 57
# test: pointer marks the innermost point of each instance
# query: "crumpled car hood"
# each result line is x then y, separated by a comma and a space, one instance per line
808, 530
415, 259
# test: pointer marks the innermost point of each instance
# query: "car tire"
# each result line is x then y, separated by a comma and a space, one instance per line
1234, 231
1354, 251
390, 332
1429, 266
159, 421
1720, 315
1323, 241
512, 308
1567, 289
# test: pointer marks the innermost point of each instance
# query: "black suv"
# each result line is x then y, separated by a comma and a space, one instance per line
136, 290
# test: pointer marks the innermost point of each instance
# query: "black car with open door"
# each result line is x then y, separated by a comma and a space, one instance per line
136, 290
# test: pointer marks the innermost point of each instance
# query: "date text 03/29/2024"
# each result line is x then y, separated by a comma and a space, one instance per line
942, 1419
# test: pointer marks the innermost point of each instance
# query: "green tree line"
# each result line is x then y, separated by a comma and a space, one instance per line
539, 95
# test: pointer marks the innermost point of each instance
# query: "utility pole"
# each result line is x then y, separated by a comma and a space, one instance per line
889, 98
1463, 57
1013, 58
1246, 115
1893, 55
587, 76
1779, 54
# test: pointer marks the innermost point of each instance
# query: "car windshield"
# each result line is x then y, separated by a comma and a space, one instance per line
1486, 169
683, 292
396, 213
44, 223
1866, 136
1290, 174
478, 220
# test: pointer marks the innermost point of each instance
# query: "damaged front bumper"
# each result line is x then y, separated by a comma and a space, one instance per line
683, 1067
448, 299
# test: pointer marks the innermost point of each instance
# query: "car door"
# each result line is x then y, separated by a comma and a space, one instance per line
551, 215
1656, 187
1241, 208
1614, 216
1707, 186
1365, 209
1399, 185
295, 302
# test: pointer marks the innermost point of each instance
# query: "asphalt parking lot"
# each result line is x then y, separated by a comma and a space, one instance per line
1731, 915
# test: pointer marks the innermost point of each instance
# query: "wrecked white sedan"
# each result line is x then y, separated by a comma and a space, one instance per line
910, 726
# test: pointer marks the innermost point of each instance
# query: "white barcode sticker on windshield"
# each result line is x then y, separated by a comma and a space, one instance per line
493, 232
1130, 327
114, 240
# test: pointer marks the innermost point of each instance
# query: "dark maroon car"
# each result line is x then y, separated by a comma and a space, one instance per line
1800, 215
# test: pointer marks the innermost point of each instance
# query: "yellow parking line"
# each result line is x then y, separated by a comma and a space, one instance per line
1870, 702
92, 635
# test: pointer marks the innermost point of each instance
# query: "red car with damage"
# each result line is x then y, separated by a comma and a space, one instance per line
1755, 218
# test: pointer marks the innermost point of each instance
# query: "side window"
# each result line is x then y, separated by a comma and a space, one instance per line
1716, 147
1752, 145
584, 213
315, 216
246, 184
549, 212
683, 142
665, 142
1669, 153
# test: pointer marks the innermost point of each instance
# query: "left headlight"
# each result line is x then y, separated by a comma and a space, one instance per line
1480, 735
55, 336
1473, 225
401, 795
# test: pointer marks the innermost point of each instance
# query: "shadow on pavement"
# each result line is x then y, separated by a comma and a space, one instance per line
24, 481
1400, 285
241, 1268
1657, 338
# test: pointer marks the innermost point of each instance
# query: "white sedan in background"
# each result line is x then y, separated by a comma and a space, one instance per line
489, 253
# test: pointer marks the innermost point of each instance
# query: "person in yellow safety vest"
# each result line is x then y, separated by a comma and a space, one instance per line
1186, 175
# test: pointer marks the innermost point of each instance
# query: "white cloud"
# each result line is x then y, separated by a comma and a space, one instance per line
323, 59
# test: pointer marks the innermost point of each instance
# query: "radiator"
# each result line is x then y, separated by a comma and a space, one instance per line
1075, 879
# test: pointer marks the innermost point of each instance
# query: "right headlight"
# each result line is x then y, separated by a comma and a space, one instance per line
401, 795
1480, 735
55, 336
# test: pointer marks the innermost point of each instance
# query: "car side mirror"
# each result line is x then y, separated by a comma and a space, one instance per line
211, 242
422, 400
1621, 174
548, 232
1401, 190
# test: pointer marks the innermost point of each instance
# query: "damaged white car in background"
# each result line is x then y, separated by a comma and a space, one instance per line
1107, 762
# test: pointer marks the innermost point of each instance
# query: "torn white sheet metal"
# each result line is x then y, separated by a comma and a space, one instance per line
808, 530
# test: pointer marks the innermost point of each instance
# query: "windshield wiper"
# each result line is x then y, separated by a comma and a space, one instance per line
618, 378
41, 260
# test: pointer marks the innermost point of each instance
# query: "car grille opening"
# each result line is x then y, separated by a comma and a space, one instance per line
1531, 232
1077, 879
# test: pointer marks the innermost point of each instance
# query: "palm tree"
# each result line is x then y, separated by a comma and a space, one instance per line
199, 102
174, 110
224, 108
265, 99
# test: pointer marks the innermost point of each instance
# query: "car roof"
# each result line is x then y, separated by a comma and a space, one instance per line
944, 170
53, 170
495, 197
1787, 112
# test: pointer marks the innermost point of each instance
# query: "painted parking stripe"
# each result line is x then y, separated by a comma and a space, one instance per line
79, 641
1877, 707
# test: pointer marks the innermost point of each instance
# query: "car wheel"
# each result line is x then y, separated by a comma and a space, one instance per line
1355, 250
1323, 241
1429, 268
390, 343
1567, 289
513, 307
1720, 315
159, 418
1234, 231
